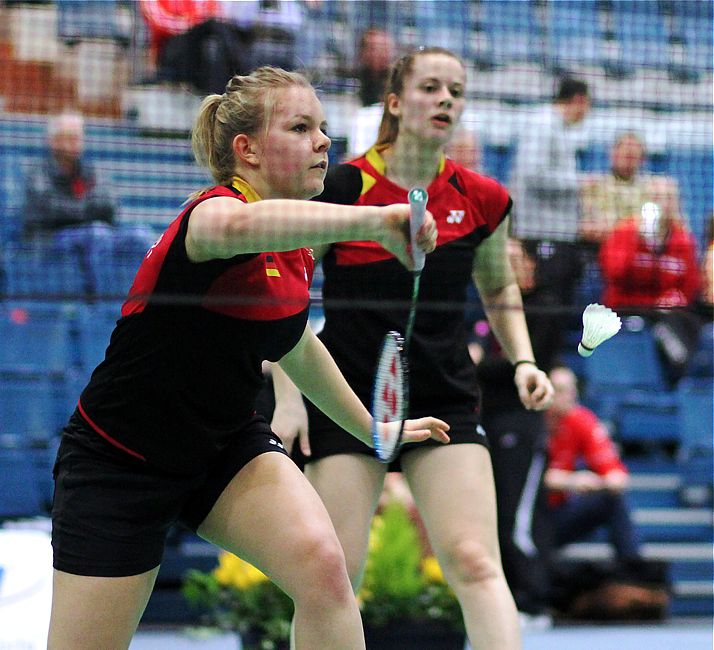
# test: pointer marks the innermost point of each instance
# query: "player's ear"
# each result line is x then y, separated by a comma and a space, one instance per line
246, 149
394, 105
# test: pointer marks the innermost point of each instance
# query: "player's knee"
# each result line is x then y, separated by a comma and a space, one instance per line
469, 561
326, 577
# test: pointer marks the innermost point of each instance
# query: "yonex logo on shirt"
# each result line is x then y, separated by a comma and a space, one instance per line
455, 216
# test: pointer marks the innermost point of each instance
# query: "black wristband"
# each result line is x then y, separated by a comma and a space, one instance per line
521, 361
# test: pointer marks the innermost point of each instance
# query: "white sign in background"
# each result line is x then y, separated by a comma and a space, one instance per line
25, 589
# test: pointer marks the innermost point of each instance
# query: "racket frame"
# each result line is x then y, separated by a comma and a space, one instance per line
417, 201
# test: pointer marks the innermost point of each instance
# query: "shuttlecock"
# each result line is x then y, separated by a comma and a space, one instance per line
599, 324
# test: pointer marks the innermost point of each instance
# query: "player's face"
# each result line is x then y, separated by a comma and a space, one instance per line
433, 98
293, 152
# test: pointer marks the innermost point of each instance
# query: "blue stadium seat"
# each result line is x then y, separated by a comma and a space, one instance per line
40, 271
696, 414
503, 17
694, 171
648, 418
11, 198
36, 338
498, 161
89, 19
513, 31
114, 260
33, 408
642, 34
628, 360
20, 495
95, 324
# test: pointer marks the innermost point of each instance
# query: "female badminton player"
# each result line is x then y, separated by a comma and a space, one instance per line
166, 429
366, 293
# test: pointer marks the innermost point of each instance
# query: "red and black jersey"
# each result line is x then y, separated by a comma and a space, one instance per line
367, 292
183, 366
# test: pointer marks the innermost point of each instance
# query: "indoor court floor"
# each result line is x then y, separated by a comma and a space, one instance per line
679, 635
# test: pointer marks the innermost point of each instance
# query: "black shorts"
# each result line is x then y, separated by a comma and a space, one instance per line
329, 439
111, 512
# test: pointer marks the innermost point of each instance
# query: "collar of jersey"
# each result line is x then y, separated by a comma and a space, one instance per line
251, 196
374, 158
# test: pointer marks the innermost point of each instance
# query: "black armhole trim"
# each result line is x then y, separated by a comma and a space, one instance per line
343, 185
509, 205
455, 183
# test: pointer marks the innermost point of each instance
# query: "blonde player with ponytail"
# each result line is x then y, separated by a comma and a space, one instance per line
166, 429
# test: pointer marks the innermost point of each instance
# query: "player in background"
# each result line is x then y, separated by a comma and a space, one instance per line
366, 293
166, 429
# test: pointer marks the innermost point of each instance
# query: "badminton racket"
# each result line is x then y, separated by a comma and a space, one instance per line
390, 392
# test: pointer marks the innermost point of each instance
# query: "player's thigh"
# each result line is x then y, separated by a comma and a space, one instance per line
454, 491
97, 613
349, 486
271, 516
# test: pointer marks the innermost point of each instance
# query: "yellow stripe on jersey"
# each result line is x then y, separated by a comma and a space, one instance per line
374, 158
251, 196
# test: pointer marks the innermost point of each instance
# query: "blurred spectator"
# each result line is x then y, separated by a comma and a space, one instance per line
65, 190
464, 148
546, 187
517, 438
375, 53
618, 194
189, 43
583, 500
650, 258
649, 264
205, 42
701, 362
707, 293
271, 27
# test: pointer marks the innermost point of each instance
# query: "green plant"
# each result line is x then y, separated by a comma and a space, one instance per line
237, 596
400, 584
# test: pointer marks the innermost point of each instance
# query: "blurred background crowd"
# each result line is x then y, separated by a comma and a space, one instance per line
595, 114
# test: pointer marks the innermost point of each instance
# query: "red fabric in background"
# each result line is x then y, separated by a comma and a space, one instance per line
166, 18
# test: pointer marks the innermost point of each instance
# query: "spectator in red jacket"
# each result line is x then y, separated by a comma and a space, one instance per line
650, 260
585, 474
649, 265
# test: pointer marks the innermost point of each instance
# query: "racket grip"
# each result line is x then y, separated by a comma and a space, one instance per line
417, 202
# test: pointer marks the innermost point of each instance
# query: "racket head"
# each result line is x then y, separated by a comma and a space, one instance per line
390, 399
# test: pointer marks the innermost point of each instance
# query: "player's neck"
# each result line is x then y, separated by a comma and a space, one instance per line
410, 164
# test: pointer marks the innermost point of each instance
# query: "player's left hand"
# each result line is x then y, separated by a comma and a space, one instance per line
534, 387
425, 428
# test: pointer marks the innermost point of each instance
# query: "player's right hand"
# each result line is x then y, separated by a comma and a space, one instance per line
396, 233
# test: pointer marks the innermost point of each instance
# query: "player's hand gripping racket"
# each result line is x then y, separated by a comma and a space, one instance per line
390, 393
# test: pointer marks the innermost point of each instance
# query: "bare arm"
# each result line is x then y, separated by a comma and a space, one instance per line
222, 227
496, 283
314, 372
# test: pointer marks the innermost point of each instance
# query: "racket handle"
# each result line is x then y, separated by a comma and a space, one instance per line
417, 202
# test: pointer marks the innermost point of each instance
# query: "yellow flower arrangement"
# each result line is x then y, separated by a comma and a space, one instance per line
234, 572
401, 584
